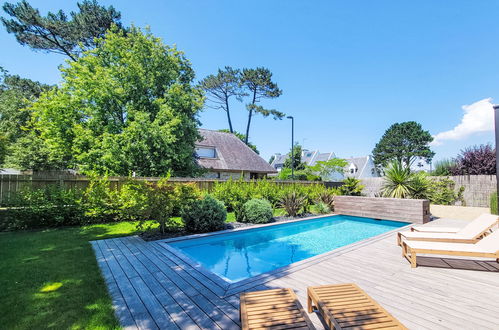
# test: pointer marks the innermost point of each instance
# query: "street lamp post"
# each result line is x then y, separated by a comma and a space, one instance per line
292, 146
496, 117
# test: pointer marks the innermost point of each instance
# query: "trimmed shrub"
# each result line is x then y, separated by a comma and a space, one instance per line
207, 214
256, 211
493, 203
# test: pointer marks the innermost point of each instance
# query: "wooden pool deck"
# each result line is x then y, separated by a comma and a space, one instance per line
152, 287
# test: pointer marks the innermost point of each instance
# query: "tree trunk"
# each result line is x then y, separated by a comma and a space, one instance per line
249, 118
248, 126
228, 114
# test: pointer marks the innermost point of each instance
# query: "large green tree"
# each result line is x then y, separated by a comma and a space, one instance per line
294, 158
220, 88
59, 32
258, 82
16, 94
128, 105
3, 148
403, 142
326, 168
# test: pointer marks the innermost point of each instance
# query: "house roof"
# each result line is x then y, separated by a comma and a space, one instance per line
322, 157
308, 157
359, 162
231, 154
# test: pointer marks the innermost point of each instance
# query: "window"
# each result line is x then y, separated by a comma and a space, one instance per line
352, 168
206, 152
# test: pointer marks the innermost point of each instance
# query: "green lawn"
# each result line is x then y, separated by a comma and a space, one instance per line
50, 279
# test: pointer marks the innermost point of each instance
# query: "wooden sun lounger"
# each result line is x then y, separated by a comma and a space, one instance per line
272, 309
471, 233
346, 306
487, 247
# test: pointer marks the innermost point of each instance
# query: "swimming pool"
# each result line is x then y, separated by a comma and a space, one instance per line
242, 254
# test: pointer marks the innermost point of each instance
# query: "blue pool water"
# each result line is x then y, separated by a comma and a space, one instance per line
240, 255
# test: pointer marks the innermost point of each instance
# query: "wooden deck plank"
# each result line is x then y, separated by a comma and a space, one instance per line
120, 308
173, 278
158, 313
181, 319
180, 290
139, 312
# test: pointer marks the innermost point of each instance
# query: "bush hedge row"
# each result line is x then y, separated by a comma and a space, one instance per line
55, 206
136, 200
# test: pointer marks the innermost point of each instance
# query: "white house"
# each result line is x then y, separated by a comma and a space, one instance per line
360, 168
308, 157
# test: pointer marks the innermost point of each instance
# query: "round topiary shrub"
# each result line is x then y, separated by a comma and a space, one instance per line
256, 211
203, 215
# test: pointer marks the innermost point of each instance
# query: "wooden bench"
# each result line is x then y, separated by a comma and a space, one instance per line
272, 309
346, 306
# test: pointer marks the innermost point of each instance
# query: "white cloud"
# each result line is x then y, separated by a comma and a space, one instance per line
478, 117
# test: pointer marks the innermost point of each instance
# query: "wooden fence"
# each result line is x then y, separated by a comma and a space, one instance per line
11, 183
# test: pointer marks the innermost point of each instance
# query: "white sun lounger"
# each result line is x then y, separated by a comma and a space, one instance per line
470, 233
487, 247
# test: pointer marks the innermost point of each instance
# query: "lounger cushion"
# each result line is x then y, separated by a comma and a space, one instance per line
489, 244
471, 231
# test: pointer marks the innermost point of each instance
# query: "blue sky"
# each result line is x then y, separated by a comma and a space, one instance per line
348, 69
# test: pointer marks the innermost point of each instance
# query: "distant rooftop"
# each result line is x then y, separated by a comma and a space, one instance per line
309, 157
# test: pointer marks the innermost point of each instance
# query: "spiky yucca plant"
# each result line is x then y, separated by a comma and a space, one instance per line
398, 181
